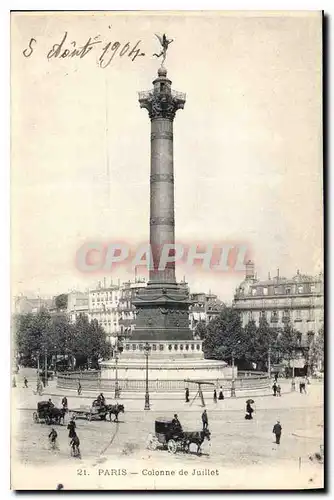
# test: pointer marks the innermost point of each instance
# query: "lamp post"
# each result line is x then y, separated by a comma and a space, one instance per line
293, 383
116, 375
46, 367
269, 362
233, 380
147, 349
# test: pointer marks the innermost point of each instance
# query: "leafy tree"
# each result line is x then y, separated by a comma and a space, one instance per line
61, 301
287, 342
200, 330
316, 356
225, 337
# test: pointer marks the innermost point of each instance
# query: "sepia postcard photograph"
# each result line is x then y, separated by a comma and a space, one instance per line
167, 250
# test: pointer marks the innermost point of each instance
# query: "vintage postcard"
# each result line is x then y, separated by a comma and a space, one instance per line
167, 250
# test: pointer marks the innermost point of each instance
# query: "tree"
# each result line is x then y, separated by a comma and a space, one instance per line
33, 334
225, 337
287, 342
61, 301
200, 330
316, 356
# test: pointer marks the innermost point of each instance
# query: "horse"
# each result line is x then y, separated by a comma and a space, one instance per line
57, 415
115, 410
195, 438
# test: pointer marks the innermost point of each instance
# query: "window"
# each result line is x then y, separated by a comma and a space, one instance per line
265, 291
263, 315
127, 347
133, 347
181, 347
298, 315
312, 288
275, 290
300, 289
288, 291
253, 291
250, 315
141, 347
154, 347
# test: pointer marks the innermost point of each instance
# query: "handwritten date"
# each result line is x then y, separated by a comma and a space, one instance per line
65, 49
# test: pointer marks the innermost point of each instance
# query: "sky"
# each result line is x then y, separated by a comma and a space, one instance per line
247, 146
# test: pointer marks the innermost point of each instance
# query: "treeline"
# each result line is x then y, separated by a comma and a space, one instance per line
225, 337
81, 343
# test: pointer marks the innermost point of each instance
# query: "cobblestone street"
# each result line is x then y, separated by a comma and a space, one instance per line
242, 451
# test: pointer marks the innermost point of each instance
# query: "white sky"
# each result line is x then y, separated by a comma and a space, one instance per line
247, 146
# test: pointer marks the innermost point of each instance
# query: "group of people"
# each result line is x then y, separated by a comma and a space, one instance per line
177, 427
74, 439
221, 395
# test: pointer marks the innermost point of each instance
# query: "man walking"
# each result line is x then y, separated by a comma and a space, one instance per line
274, 389
205, 420
214, 396
278, 390
25, 382
187, 395
79, 389
277, 430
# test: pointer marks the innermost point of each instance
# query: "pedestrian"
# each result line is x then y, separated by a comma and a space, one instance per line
71, 427
64, 403
249, 411
75, 446
274, 389
53, 438
304, 384
205, 420
215, 396
25, 382
278, 390
276, 377
277, 430
187, 395
79, 388
300, 387
221, 394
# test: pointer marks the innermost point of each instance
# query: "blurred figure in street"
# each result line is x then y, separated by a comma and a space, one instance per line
75, 446
274, 389
25, 383
187, 395
79, 388
249, 409
221, 394
71, 427
215, 396
64, 403
277, 430
205, 420
278, 390
53, 438
276, 377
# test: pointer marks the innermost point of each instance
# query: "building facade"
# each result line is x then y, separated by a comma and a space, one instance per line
205, 307
298, 300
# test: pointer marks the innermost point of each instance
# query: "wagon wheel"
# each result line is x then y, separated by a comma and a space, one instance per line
103, 416
35, 417
47, 419
172, 446
152, 443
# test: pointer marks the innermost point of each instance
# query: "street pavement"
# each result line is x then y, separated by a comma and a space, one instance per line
243, 451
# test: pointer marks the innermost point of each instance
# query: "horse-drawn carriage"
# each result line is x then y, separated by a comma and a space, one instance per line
48, 413
168, 437
98, 411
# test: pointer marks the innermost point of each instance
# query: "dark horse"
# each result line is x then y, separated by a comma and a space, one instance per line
57, 415
114, 410
195, 438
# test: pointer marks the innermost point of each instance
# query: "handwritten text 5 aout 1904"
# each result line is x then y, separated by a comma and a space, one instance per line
65, 49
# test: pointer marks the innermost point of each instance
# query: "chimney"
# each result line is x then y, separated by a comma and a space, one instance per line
249, 270
269, 277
